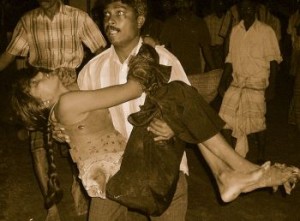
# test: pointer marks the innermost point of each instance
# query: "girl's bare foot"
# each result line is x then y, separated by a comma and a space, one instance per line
274, 176
232, 183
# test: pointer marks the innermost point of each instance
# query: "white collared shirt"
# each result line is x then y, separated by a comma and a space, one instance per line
250, 51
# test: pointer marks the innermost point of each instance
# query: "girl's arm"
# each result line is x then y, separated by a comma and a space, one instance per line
77, 103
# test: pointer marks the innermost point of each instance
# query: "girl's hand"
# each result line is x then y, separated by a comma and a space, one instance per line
161, 129
58, 133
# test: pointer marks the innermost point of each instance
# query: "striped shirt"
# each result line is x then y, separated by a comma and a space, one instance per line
57, 42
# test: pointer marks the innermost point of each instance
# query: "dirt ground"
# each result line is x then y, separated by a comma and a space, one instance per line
21, 200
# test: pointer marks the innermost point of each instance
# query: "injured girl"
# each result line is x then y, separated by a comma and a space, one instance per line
97, 148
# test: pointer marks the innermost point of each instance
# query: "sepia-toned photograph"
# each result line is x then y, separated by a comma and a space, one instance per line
149, 110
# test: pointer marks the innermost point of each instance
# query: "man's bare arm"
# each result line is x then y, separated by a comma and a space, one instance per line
5, 60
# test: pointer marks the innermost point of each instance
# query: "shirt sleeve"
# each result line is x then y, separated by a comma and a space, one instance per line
226, 23
91, 35
271, 46
18, 45
87, 78
228, 58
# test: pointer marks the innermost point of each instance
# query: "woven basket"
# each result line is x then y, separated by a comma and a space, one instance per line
207, 83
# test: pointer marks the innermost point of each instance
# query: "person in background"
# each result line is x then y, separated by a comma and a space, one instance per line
294, 32
167, 9
186, 35
248, 78
272, 19
214, 22
52, 36
232, 18
152, 28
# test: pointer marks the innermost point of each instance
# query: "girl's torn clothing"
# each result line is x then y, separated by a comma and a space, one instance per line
97, 151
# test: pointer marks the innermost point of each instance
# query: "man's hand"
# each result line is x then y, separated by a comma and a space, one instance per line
225, 79
161, 129
150, 41
58, 133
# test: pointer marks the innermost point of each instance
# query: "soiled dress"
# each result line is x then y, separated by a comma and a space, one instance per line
97, 149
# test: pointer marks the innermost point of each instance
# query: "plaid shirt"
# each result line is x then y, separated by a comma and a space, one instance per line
57, 42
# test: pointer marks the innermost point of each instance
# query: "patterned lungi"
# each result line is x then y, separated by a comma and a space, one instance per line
244, 108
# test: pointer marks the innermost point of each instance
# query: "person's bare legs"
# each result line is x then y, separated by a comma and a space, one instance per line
231, 183
235, 175
221, 149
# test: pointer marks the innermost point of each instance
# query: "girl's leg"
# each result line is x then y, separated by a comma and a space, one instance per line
222, 150
234, 174
231, 183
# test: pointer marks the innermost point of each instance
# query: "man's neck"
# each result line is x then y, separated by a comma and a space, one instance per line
248, 24
50, 12
123, 51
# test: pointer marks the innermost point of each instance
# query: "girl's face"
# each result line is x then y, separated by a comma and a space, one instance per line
45, 87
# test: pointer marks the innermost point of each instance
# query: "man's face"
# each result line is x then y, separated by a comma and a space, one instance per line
220, 8
121, 23
47, 4
247, 11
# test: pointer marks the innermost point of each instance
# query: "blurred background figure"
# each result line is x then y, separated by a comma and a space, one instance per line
294, 32
248, 78
184, 34
214, 22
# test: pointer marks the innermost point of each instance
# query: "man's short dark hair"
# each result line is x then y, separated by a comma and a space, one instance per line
140, 6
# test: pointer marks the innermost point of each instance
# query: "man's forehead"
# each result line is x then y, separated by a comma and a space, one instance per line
118, 4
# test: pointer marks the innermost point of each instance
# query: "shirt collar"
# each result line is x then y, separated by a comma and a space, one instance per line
253, 26
61, 9
134, 51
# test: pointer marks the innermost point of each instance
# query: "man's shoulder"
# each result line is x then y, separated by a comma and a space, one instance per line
69, 10
164, 53
32, 13
100, 58
261, 26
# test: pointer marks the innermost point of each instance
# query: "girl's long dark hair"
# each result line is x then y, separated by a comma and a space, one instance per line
35, 115
29, 110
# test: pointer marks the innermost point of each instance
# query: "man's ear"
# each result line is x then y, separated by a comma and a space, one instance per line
141, 20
